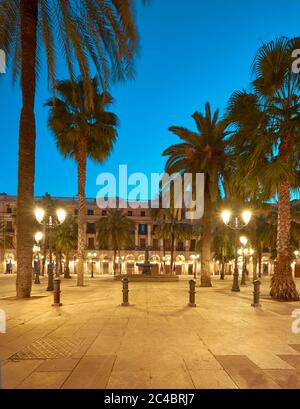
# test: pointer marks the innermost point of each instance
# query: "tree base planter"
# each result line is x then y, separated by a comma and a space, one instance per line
205, 281
283, 289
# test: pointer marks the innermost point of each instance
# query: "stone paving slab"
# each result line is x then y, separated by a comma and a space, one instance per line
91, 373
287, 379
245, 373
44, 380
158, 342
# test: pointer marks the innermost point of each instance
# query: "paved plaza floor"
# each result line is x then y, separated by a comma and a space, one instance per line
157, 342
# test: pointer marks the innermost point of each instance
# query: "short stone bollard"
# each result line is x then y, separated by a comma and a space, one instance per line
256, 294
192, 293
56, 293
125, 291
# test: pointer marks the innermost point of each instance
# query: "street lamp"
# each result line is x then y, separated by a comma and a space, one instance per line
50, 222
122, 261
244, 242
195, 257
92, 258
236, 223
36, 249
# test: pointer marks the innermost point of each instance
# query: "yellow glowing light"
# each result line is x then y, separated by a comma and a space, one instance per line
226, 216
39, 214
246, 216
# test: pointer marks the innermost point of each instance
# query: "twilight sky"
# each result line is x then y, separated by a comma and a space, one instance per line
192, 51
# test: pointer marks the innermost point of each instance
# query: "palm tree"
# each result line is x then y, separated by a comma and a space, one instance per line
266, 145
171, 228
48, 203
65, 241
223, 246
202, 152
101, 33
82, 133
116, 231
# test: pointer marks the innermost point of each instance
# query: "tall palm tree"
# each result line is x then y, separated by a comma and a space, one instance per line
115, 230
171, 228
82, 132
202, 152
101, 33
49, 204
266, 145
223, 246
65, 240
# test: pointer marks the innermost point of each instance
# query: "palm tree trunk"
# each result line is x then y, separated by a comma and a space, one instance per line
260, 260
255, 264
81, 159
282, 284
222, 275
114, 261
206, 243
27, 137
45, 242
172, 252
67, 266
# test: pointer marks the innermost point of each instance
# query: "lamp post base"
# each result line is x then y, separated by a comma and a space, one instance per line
235, 285
50, 279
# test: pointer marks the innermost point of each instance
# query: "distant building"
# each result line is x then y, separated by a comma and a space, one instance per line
100, 261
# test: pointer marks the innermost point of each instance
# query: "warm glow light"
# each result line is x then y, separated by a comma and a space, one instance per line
61, 215
226, 215
38, 236
296, 253
244, 240
246, 215
39, 214
35, 248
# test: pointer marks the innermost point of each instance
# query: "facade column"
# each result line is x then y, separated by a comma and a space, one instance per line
187, 245
136, 236
149, 235
161, 245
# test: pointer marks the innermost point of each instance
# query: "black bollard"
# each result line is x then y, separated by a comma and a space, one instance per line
256, 294
56, 293
125, 291
192, 293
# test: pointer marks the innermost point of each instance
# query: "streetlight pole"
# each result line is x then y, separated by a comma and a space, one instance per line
92, 258
50, 222
195, 258
37, 266
236, 223
244, 242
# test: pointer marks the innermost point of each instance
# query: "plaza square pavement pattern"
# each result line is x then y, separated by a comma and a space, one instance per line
157, 342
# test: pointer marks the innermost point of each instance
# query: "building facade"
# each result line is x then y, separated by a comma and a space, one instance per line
99, 261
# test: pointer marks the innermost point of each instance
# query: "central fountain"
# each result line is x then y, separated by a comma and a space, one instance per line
146, 265
147, 273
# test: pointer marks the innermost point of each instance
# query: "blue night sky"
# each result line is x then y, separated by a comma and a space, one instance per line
192, 51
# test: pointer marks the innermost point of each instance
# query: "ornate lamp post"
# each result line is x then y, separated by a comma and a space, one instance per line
195, 257
36, 249
50, 222
92, 257
121, 263
244, 242
236, 223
